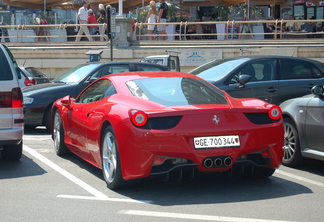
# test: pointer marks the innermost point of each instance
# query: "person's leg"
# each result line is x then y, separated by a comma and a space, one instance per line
150, 32
80, 33
87, 33
101, 32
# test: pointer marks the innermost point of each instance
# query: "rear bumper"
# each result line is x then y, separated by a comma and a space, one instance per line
34, 115
142, 146
11, 136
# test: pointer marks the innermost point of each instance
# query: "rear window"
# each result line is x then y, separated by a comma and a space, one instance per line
35, 72
176, 91
5, 71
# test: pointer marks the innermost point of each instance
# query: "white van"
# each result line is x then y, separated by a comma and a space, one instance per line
11, 107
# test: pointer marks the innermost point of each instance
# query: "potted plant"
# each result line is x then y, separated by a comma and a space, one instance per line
221, 14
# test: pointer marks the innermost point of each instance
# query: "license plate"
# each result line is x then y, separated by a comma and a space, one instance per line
216, 141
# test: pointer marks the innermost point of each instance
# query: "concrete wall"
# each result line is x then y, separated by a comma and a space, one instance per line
54, 60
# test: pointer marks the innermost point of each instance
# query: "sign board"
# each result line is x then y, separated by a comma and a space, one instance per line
113, 21
197, 57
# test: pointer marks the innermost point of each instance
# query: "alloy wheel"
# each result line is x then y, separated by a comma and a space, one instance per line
109, 157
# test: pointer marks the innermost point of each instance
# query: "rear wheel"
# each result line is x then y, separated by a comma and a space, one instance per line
264, 173
58, 135
111, 168
12, 152
292, 153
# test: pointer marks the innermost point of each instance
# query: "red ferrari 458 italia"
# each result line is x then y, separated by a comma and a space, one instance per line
168, 124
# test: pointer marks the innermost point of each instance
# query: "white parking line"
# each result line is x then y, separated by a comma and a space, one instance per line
193, 216
299, 178
97, 195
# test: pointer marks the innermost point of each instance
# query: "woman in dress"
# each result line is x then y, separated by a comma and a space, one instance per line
151, 18
102, 18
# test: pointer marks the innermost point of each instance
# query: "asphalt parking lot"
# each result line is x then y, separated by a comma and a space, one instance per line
45, 187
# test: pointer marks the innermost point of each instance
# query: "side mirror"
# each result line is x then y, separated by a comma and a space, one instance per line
318, 91
243, 79
66, 101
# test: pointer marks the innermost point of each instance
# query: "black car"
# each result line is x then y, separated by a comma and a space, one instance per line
38, 99
270, 78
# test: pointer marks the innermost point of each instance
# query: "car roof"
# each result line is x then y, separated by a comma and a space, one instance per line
127, 76
268, 57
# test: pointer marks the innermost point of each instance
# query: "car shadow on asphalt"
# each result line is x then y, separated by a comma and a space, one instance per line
207, 189
25, 167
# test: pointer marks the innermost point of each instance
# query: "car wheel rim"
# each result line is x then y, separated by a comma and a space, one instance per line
56, 130
109, 154
290, 143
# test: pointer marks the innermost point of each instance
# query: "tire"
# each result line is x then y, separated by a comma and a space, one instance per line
292, 153
264, 173
47, 119
258, 173
58, 135
111, 168
12, 152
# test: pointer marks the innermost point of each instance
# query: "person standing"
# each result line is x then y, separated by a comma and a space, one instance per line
92, 19
4, 33
83, 17
102, 18
163, 11
43, 32
151, 18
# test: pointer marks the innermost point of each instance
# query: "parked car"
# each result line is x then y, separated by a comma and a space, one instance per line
25, 81
270, 78
304, 126
38, 99
167, 124
11, 108
35, 75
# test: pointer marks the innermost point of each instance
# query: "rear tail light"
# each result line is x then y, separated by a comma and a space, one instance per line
138, 118
11, 99
28, 82
33, 81
274, 112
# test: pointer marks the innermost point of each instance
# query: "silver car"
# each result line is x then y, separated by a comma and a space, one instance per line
11, 107
304, 127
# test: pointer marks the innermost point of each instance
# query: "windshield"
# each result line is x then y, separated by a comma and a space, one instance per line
215, 70
77, 73
176, 91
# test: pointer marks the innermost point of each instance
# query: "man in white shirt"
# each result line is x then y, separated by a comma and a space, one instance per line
83, 17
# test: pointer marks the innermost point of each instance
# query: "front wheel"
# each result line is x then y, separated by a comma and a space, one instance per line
58, 135
292, 154
111, 168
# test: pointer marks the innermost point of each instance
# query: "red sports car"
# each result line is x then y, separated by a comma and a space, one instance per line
168, 124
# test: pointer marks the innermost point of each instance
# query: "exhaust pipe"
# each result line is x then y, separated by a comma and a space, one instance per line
218, 162
208, 163
228, 161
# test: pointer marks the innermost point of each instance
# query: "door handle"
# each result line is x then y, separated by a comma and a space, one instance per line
271, 89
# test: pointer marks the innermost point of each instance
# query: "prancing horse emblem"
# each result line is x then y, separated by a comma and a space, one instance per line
216, 119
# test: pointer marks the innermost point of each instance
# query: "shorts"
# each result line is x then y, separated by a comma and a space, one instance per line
162, 27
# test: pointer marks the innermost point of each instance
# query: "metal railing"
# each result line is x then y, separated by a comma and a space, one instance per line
233, 30
28, 33
180, 31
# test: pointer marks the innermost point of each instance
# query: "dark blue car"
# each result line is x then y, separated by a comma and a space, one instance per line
38, 99
270, 78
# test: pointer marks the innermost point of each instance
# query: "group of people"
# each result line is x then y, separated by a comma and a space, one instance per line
159, 16
293, 26
87, 16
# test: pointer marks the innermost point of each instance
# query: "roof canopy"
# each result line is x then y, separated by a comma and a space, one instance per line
39, 4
